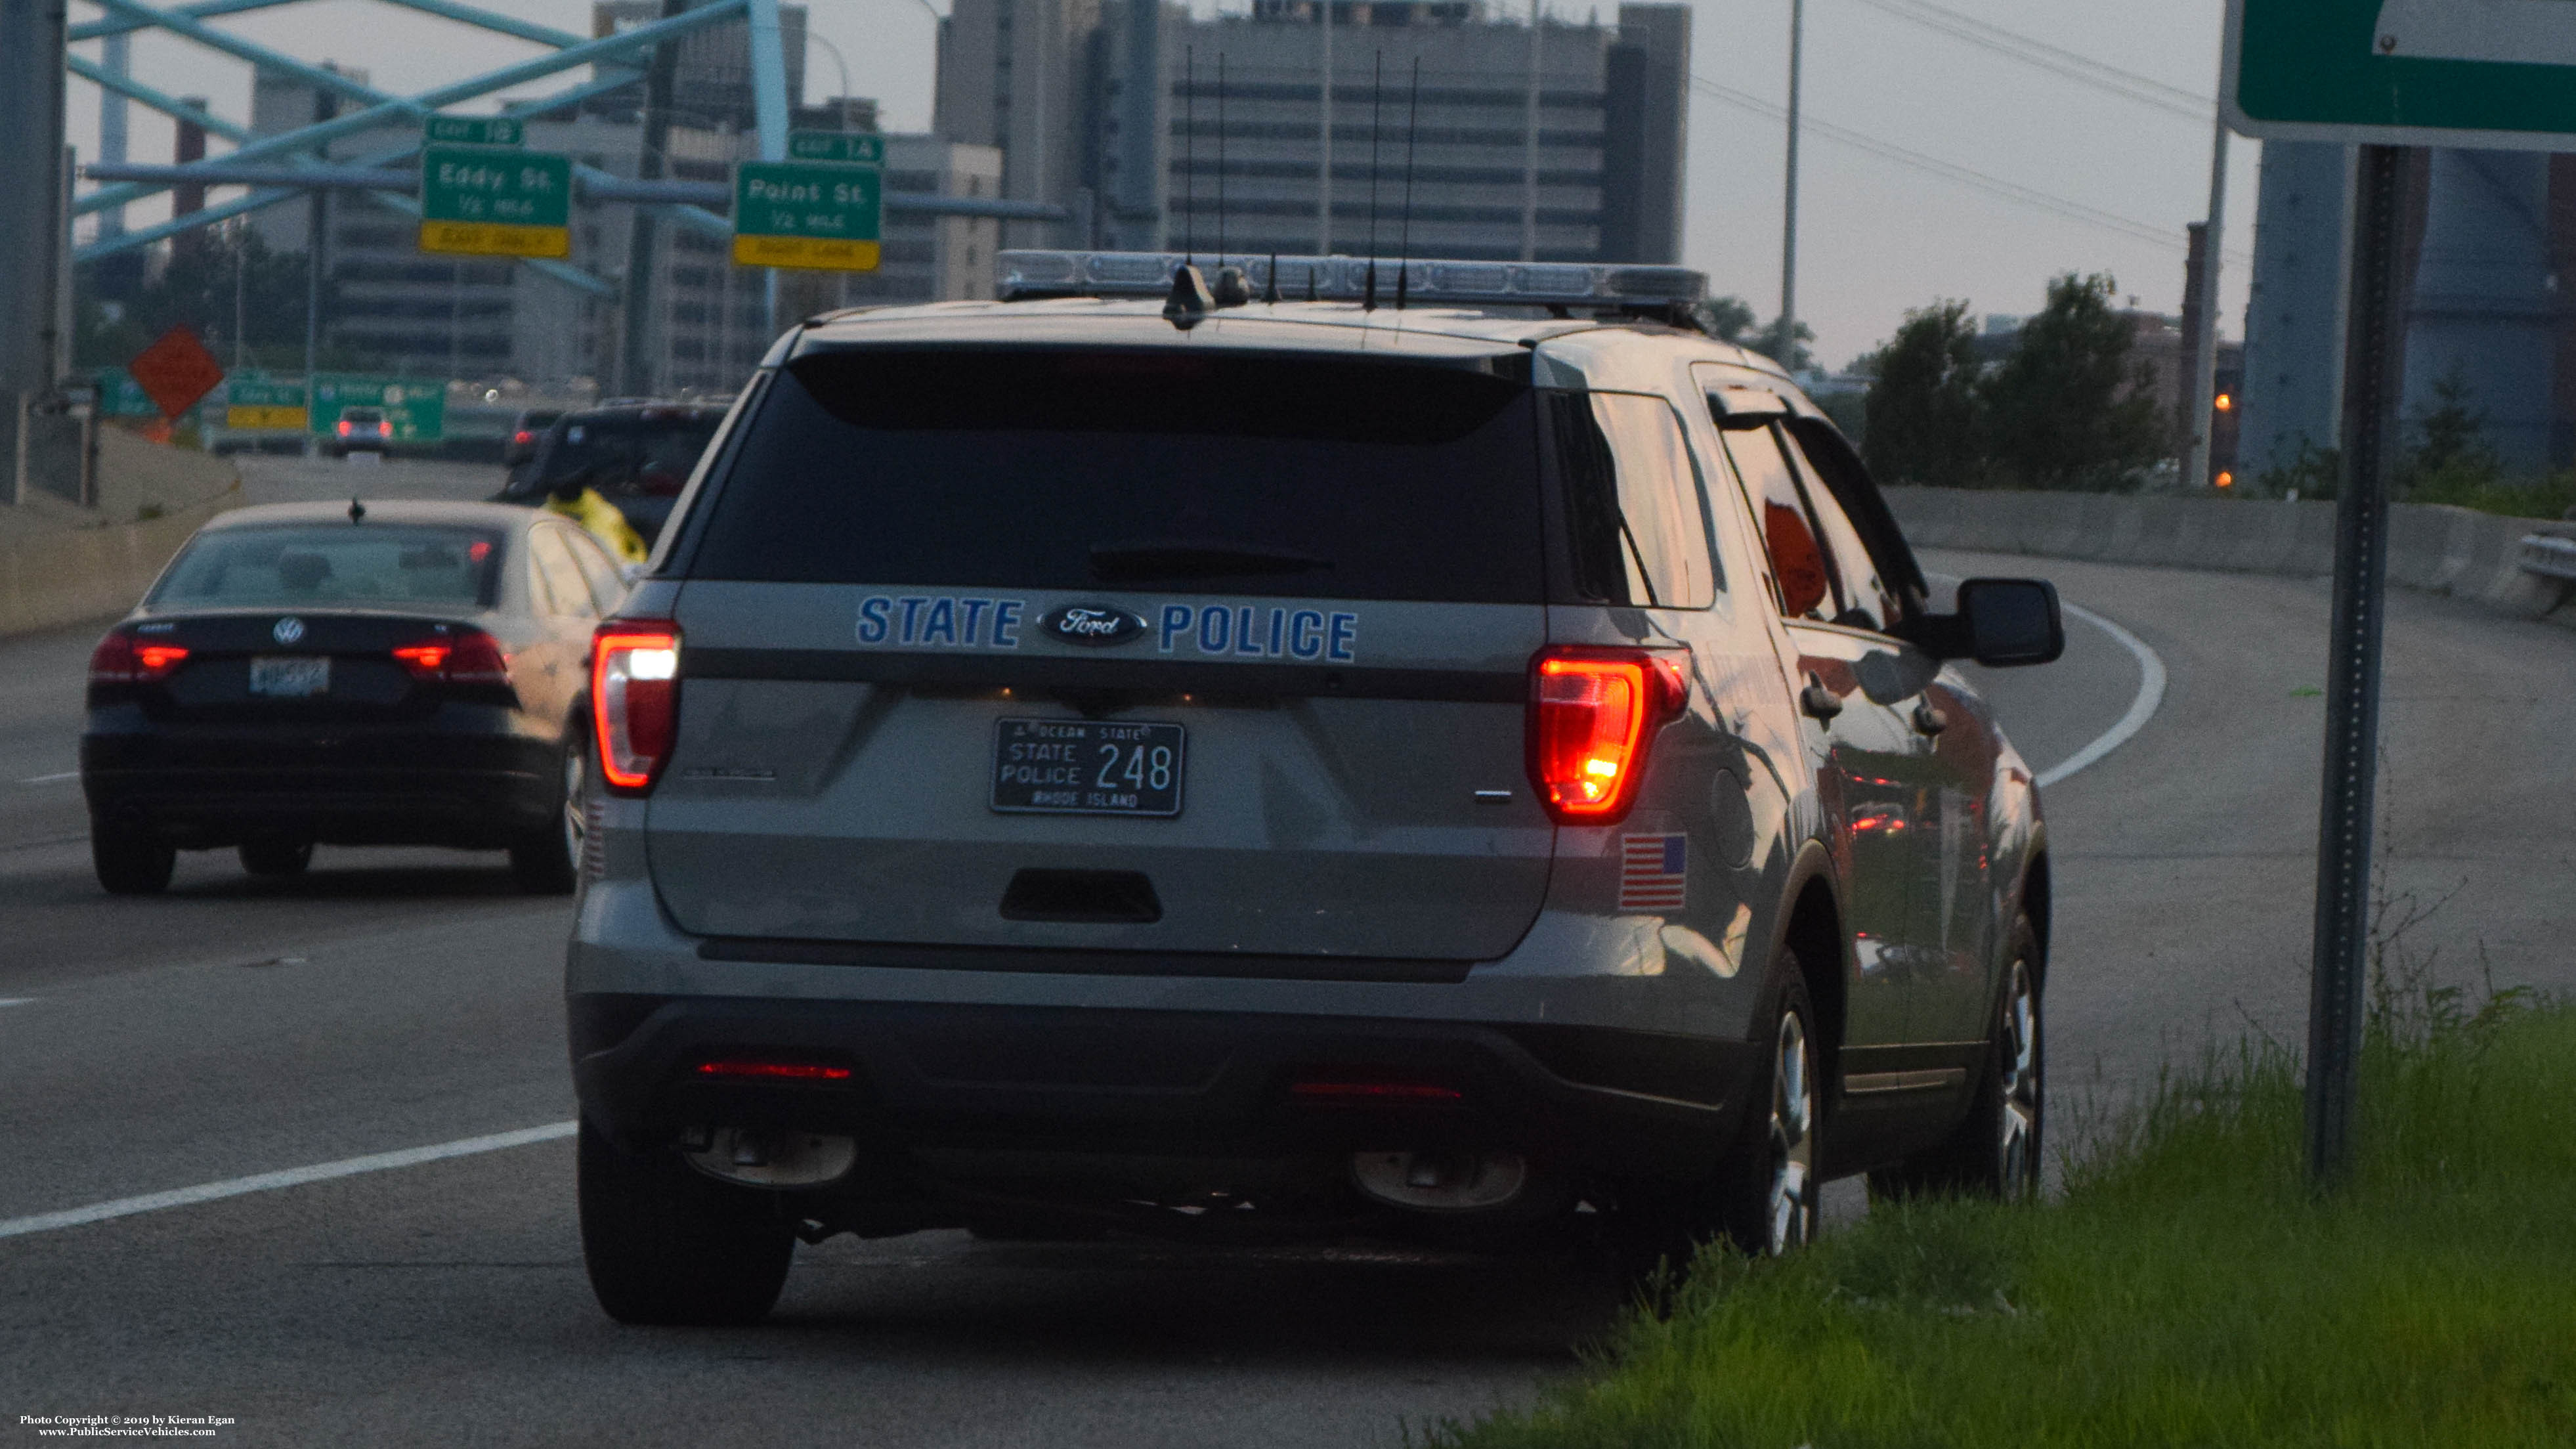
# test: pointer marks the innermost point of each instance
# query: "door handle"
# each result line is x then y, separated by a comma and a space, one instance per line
1928, 720
1819, 702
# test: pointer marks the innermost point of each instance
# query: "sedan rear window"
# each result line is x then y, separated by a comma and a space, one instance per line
1233, 473
302, 566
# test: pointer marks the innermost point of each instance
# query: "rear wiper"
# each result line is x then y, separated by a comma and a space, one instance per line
1192, 559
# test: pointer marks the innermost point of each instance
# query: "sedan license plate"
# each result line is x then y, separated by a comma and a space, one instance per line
291, 677
1086, 767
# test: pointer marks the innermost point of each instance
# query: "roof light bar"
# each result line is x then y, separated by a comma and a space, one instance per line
1428, 282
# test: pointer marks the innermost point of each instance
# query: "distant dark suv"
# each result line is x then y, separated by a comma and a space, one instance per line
1103, 760
637, 455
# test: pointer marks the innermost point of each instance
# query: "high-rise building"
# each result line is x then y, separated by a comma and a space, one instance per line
711, 83
1445, 132
1020, 75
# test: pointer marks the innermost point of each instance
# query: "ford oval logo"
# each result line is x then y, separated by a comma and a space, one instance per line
288, 630
1097, 625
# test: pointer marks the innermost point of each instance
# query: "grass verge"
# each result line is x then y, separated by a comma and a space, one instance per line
2186, 1291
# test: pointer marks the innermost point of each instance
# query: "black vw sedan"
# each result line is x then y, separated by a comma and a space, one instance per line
393, 673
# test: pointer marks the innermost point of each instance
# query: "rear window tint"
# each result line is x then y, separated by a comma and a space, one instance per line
1242, 474
363, 564
630, 456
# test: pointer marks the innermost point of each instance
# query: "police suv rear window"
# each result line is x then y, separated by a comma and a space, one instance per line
1228, 474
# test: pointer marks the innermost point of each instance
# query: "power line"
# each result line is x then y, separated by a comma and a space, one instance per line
2013, 45
1949, 171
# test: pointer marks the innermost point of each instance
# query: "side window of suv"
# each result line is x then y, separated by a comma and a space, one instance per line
1802, 571
1639, 528
1867, 600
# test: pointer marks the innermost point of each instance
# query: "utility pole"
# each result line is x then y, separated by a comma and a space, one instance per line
317, 222
1529, 193
2204, 342
635, 359
1324, 153
31, 150
1788, 357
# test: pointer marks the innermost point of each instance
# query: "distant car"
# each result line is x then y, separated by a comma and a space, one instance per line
637, 455
526, 431
361, 430
385, 674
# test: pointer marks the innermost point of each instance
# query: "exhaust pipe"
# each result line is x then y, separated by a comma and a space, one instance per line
1441, 1182
768, 1159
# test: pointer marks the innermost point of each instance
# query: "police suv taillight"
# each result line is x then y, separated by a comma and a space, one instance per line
634, 700
1593, 718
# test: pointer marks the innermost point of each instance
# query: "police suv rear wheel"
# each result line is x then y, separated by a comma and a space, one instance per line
666, 1245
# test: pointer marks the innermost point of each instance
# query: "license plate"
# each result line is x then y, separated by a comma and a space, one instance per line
291, 677
1086, 767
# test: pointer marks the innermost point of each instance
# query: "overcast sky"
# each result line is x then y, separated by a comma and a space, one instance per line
1877, 235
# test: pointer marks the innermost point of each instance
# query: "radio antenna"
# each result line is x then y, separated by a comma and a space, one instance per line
1404, 246
1377, 94
1220, 159
1190, 155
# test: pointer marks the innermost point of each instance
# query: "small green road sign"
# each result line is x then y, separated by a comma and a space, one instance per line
495, 201
2480, 73
473, 131
863, 148
416, 406
816, 215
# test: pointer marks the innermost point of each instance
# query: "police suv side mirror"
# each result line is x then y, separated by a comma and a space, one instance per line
2006, 622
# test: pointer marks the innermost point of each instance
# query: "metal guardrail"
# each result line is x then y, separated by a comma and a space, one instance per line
2549, 555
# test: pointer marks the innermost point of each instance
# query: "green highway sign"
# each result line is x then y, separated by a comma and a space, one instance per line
495, 201
473, 130
2482, 73
864, 148
417, 407
817, 215
258, 404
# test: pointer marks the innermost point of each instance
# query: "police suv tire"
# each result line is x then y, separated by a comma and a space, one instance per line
130, 861
666, 1245
1975, 1160
1662, 1224
546, 861
275, 859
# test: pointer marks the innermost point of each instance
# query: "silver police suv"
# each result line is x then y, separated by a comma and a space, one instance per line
1324, 748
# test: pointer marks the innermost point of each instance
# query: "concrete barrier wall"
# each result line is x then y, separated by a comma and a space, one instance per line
56, 572
2442, 550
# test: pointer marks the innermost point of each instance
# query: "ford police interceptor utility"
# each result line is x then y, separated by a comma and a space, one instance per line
1324, 750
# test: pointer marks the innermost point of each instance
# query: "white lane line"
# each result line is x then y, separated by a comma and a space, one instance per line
51, 779
272, 1181
2151, 693
15, 1000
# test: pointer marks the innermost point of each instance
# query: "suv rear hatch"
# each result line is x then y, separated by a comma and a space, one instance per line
1138, 651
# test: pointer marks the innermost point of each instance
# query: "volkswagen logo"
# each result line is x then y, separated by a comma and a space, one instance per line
1096, 625
288, 630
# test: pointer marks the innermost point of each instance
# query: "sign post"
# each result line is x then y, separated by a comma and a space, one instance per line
495, 201
819, 210
2382, 75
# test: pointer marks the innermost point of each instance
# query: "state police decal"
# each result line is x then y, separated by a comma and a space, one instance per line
1095, 625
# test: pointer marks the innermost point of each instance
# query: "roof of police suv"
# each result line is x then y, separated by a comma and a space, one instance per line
1422, 333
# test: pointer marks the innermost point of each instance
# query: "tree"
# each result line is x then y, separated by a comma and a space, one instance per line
1725, 318
2452, 434
1771, 344
2067, 408
195, 287
1921, 414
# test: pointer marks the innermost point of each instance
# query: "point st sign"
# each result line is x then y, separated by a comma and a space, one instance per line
818, 215
495, 201
2482, 73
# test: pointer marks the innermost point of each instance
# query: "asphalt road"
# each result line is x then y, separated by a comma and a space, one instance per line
396, 999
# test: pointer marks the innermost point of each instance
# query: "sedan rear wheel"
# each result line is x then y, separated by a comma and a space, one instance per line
130, 861
547, 861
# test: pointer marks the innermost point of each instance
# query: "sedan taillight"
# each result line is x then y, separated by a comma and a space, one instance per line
634, 700
1593, 718
120, 659
467, 656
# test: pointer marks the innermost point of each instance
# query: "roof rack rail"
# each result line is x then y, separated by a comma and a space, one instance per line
1429, 282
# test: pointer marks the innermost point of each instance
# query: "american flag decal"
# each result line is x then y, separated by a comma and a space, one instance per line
1653, 870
